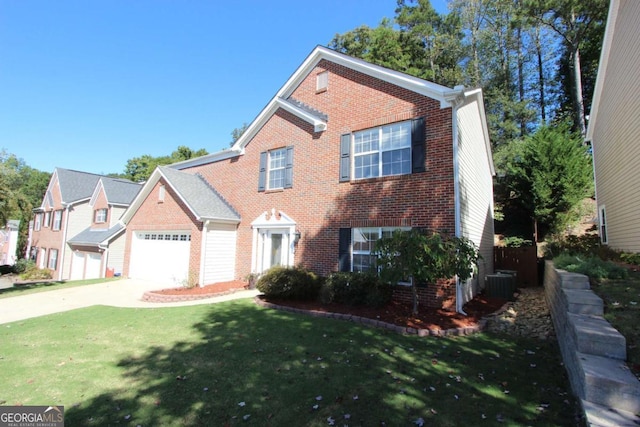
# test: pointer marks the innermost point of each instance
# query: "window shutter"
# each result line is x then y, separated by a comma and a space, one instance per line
288, 170
345, 157
418, 145
262, 177
344, 250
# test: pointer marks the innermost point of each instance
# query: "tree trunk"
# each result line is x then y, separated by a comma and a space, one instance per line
579, 101
543, 114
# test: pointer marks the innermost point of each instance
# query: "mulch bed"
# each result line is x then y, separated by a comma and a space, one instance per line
399, 313
396, 313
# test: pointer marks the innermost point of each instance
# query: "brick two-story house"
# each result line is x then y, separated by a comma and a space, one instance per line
78, 221
344, 152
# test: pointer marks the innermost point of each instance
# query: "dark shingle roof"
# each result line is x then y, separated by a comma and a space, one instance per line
120, 191
95, 236
76, 186
201, 197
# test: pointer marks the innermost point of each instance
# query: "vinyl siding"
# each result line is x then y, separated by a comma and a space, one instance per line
616, 133
116, 254
80, 216
220, 254
475, 190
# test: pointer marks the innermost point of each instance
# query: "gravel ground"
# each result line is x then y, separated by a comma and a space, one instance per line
527, 316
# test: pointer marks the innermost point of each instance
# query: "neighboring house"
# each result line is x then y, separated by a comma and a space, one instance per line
614, 129
76, 224
9, 242
344, 153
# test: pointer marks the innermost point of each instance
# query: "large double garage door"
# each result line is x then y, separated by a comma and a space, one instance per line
160, 256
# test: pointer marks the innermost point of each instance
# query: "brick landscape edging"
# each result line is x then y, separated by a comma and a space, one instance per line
156, 297
377, 323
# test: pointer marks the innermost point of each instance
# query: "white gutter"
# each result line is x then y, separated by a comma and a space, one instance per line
63, 249
203, 247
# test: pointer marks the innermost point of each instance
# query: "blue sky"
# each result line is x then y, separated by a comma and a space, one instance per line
87, 85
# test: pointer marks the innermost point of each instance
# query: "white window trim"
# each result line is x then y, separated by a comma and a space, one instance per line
52, 258
47, 219
57, 220
380, 231
270, 170
98, 219
602, 222
380, 150
38, 222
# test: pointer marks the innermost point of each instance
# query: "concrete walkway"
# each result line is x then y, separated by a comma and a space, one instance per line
119, 293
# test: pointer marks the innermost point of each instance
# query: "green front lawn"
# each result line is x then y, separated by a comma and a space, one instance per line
238, 364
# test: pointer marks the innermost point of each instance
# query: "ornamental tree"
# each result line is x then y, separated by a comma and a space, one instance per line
423, 257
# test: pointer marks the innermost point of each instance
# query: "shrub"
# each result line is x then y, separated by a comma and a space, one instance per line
630, 258
294, 283
23, 265
355, 289
34, 273
591, 266
516, 242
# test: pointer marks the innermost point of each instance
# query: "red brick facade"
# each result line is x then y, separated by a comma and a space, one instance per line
318, 202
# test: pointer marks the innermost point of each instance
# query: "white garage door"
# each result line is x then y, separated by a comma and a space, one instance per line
160, 256
86, 265
93, 263
220, 256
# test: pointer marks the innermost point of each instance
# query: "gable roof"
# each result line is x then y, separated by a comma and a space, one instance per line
120, 192
448, 97
201, 198
75, 186
96, 236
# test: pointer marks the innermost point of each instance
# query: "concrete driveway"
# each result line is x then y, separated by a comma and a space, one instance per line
119, 293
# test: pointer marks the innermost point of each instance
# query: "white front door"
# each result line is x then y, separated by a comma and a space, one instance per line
273, 248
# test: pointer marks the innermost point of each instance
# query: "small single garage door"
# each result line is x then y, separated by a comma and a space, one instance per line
220, 256
160, 256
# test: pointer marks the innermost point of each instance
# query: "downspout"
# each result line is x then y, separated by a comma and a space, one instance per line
203, 247
63, 248
456, 195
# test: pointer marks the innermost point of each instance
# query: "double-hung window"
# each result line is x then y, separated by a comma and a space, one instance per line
393, 149
100, 216
277, 163
382, 151
276, 169
47, 219
363, 246
53, 259
38, 222
57, 220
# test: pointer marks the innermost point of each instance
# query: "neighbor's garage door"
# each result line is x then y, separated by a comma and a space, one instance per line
160, 256
86, 265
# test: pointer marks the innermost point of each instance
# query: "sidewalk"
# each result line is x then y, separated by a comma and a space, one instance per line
120, 293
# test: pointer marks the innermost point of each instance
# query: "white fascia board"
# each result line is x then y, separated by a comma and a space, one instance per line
142, 195
96, 191
206, 159
318, 124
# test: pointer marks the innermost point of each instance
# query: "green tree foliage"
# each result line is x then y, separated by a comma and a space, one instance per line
237, 133
423, 257
139, 169
544, 177
21, 189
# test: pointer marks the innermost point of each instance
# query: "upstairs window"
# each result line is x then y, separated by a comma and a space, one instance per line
276, 169
100, 216
37, 225
57, 220
47, 219
393, 149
